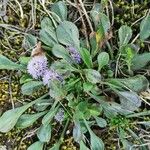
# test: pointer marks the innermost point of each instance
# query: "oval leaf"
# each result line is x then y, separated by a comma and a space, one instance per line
5, 63
60, 9
125, 34
129, 100
48, 37
46, 22
10, 117
101, 122
44, 133
29, 87
36, 146
103, 59
68, 34
60, 52
140, 61
27, 120
92, 76
96, 142
145, 28
77, 134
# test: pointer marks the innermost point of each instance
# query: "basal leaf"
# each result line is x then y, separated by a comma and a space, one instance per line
68, 34
27, 120
105, 22
44, 133
140, 61
29, 87
83, 146
86, 57
60, 52
101, 122
29, 41
48, 36
92, 76
56, 146
10, 117
46, 23
137, 83
5, 63
95, 14
125, 34
77, 133
36, 146
145, 28
129, 100
96, 142
103, 59
60, 9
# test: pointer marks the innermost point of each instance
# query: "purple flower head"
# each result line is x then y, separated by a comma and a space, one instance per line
59, 115
37, 66
51, 75
74, 54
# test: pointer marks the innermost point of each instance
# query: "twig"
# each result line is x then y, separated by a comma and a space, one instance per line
21, 10
85, 29
86, 15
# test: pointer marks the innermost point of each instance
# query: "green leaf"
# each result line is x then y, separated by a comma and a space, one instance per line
137, 83
25, 78
103, 59
125, 34
68, 34
10, 117
24, 60
29, 87
60, 52
44, 133
36, 146
92, 76
145, 28
129, 100
96, 142
95, 14
60, 9
77, 133
83, 146
49, 116
105, 22
56, 146
86, 57
48, 37
57, 91
5, 63
87, 86
27, 120
41, 106
140, 61
101, 122
29, 41
46, 22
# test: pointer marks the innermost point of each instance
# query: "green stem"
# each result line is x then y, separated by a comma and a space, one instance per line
64, 130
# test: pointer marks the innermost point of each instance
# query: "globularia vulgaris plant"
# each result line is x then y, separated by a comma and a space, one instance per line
84, 79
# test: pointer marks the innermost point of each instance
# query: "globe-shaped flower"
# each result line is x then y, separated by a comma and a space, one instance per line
74, 54
51, 75
37, 66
